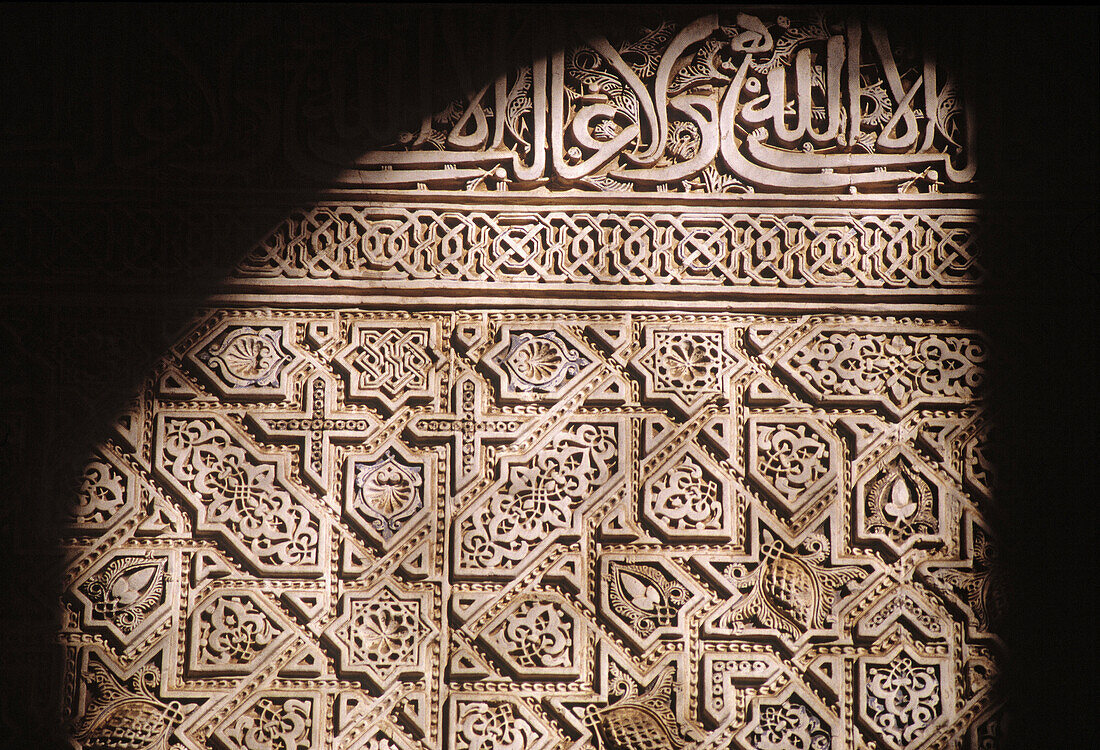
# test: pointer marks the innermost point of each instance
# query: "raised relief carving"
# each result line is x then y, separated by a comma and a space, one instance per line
689, 499
790, 721
587, 526
713, 510
245, 361
489, 725
536, 364
902, 699
725, 673
537, 499
539, 636
894, 370
900, 504
793, 459
239, 495
978, 464
977, 582
276, 720
643, 599
322, 423
127, 593
230, 632
705, 251
792, 591
538, 639
247, 357
126, 713
382, 634
637, 722
105, 489
686, 367
637, 422
386, 493
390, 364
727, 104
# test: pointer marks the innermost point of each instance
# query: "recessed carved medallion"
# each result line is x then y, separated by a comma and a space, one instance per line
539, 362
627, 411
386, 493
248, 357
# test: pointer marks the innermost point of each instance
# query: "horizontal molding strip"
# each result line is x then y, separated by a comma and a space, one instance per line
818, 249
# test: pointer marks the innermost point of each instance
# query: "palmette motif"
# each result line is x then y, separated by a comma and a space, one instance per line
388, 492
900, 503
644, 596
124, 591
792, 591
643, 721
608, 535
550, 453
248, 357
126, 713
540, 361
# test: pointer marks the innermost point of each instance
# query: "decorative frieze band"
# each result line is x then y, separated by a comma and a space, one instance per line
922, 249
730, 103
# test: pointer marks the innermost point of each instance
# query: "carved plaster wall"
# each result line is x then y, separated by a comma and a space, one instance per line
636, 405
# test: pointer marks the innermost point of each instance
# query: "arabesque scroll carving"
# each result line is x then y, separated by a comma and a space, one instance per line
687, 533
496, 464
727, 104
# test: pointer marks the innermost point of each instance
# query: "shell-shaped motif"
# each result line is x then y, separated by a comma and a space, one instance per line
537, 360
249, 357
540, 361
388, 492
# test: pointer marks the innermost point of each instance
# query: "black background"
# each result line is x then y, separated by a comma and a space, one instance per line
137, 166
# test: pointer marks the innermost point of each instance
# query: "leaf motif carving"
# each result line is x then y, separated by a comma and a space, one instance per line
643, 595
132, 585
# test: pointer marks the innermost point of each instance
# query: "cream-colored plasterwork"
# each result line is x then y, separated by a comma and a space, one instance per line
635, 409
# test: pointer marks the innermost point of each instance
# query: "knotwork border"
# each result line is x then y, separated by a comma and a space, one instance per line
576, 247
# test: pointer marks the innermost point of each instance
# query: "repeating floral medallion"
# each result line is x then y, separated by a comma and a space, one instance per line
244, 360
548, 453
620, 564
534, 363
387, 492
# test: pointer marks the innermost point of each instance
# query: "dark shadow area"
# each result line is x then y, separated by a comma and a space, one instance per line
144, 149
1036, 73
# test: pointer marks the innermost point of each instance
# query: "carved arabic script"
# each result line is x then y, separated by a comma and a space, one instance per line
721, 105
